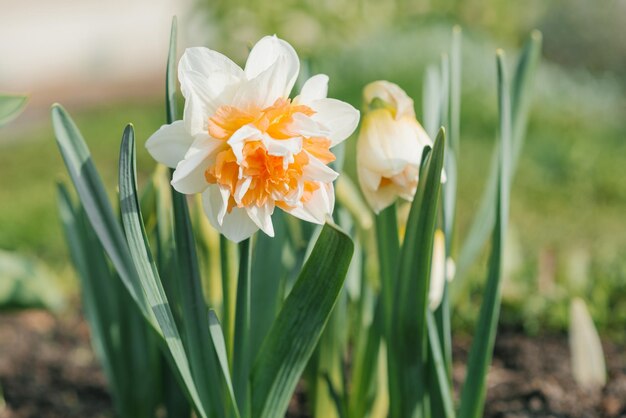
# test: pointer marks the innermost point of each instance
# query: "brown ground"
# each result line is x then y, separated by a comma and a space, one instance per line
47, 370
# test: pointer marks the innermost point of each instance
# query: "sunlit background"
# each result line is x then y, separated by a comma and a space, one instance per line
105, 61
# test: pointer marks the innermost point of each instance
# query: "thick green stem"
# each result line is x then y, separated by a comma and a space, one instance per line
388, 245
241, 357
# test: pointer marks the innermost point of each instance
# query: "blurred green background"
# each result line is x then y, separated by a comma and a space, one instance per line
569, 197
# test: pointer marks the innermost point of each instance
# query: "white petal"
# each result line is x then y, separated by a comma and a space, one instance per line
283, 147
169, 144
242, 188
386, 146
306, 126
438, 270
206, 62
391, 94
215, 202
379, 197
263, 90
266, 53
208, 80
318, 207
236, 225
203, 143
314, 88
240, 137
316, 170
262, 217
189, 177
339, 117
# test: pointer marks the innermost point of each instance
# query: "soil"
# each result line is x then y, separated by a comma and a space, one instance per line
47, 370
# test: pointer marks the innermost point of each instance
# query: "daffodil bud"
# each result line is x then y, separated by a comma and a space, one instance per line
390, 145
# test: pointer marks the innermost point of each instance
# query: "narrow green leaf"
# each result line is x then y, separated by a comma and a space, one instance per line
293, 337
195, 317
10, 107
96, 203
171, 107
148, 278
126, 347
195, 326
409, 341
220, 348
483, 221
439, 366
268, 281
474, 387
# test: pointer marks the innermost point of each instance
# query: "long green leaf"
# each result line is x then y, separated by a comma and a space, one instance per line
294, 334
441, 378
483, 221
126, 347
220, 347
171, 110
96, 203
10, 107
148, 276
411, 297
195, 326
474, 388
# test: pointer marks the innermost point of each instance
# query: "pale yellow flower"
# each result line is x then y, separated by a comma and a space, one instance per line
390, 145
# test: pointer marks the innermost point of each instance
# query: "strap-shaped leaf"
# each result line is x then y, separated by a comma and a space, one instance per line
148, 277
94, 199
220, 348
411, 293
483, 221
474, 388
294, 334
171, 110
10, 107
195, 326
441, 379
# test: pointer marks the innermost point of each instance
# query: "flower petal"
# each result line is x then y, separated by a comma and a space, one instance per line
386, 146
339, 117
169, 144
262, 217
208, 79
240, 137
236, 225
269, 51
318, 207
283, 147
314, 88
438, 271
316, 170
188, 178
263, 90
306, 126
391, 94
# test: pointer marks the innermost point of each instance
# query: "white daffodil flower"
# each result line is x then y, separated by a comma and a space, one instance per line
249, 148
390, 145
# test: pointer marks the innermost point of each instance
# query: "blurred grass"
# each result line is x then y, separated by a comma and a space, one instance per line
568, 199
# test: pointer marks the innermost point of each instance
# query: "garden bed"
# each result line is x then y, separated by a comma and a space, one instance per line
47, 370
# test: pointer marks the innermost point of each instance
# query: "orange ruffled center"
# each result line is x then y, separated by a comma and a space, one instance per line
265, 177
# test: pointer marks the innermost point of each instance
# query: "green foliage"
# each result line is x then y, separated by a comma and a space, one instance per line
27, 283
10, 107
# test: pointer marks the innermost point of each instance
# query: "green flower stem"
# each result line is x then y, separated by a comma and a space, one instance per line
388, 246
241, 356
